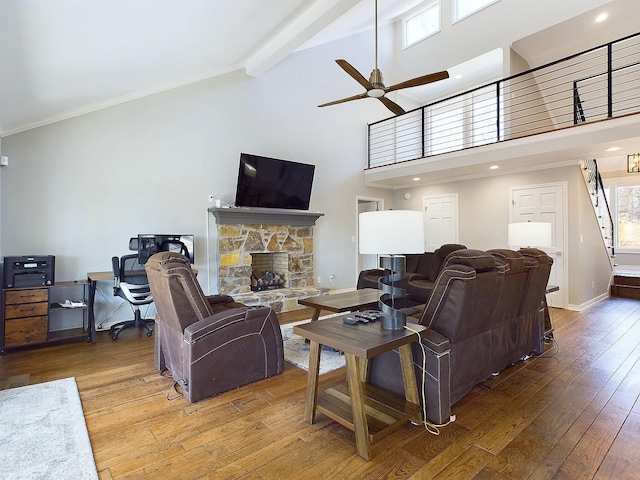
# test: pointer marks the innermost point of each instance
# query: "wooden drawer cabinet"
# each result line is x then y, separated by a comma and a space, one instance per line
26, 315
28, 312
25, 331
36, 295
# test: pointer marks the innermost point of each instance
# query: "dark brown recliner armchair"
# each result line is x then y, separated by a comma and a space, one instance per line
210, 344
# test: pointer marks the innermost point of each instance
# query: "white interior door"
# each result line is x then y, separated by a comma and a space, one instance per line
440, 220
546, 203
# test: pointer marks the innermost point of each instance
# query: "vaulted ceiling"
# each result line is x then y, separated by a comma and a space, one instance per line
66, 57
60, 58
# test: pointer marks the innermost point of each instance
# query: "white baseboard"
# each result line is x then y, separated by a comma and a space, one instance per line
585, 305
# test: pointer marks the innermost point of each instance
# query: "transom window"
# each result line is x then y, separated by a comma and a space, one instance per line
464, 8
421, 23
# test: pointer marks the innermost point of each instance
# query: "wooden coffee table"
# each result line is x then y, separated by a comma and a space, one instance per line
369, 411
342, 302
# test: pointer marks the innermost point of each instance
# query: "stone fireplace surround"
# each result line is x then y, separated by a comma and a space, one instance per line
241, 232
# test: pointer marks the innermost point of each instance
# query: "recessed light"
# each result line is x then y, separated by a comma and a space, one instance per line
601, 18
458, 77
415, 179
613, 149
493, 167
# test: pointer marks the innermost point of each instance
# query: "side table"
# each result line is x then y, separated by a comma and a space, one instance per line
370, 412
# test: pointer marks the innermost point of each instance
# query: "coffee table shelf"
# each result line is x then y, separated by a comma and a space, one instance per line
384, 412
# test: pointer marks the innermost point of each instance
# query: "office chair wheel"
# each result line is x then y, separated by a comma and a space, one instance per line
149, 333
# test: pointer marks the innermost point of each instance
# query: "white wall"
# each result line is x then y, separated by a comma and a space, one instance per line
471, 37
484, 215
78, 189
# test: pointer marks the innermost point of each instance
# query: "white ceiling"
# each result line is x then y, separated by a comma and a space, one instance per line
65, 57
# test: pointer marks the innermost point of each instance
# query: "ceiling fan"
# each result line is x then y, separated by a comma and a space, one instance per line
375, 87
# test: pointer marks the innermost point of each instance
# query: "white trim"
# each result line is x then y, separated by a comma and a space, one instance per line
455, 20
416, 12
589, 303
362, 199
94, 107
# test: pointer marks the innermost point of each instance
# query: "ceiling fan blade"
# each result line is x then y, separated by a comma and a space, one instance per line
423, 80
394, 107
357, 76
348, 99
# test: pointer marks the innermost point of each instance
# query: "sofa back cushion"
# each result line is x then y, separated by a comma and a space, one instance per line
412, 260
537, 279
465, 295
177, 293
437, 259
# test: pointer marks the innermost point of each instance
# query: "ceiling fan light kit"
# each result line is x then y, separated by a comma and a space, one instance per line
375, 87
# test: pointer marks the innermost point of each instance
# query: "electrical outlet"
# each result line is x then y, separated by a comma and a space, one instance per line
212, 198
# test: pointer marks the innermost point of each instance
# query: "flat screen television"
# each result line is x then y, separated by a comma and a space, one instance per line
273, 183
148, 244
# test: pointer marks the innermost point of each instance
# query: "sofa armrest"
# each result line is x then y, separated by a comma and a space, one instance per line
437, 343
203, 328
230, 349
220, 298
435, 379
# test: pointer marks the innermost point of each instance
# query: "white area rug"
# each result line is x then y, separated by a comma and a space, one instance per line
296, 351
43, 434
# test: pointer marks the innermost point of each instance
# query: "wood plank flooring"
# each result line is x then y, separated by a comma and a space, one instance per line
574, 413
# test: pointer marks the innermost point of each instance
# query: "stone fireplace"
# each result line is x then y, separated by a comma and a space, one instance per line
259, 240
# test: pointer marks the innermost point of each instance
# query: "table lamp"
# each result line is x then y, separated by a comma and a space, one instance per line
391, 234
529, 234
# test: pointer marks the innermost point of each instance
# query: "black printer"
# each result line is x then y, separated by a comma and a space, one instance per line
29, 271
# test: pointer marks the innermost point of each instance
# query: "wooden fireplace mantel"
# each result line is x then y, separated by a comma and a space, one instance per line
263, 216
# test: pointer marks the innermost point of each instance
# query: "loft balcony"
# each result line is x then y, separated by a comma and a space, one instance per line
550, 116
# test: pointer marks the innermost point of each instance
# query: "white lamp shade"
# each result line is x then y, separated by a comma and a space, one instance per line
529, 234
391, 232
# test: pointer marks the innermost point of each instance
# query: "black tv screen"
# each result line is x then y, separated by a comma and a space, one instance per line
272, 183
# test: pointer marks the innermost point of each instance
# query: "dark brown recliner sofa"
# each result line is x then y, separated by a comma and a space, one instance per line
422, 270
210, 344
467, 341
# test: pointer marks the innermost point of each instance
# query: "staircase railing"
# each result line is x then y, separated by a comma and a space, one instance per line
600, 203
597, 84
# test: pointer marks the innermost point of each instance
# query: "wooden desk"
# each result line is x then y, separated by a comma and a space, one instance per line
342, 302
370, 412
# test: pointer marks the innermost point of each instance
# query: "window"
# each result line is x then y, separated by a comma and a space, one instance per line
628, 216
421, 24
462, 122
464, 8
446, 132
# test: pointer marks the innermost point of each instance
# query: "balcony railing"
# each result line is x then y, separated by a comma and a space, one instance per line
593, 85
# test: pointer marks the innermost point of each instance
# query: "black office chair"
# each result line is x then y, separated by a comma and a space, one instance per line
130, 283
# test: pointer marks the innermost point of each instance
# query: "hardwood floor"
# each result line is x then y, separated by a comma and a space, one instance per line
573, 413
